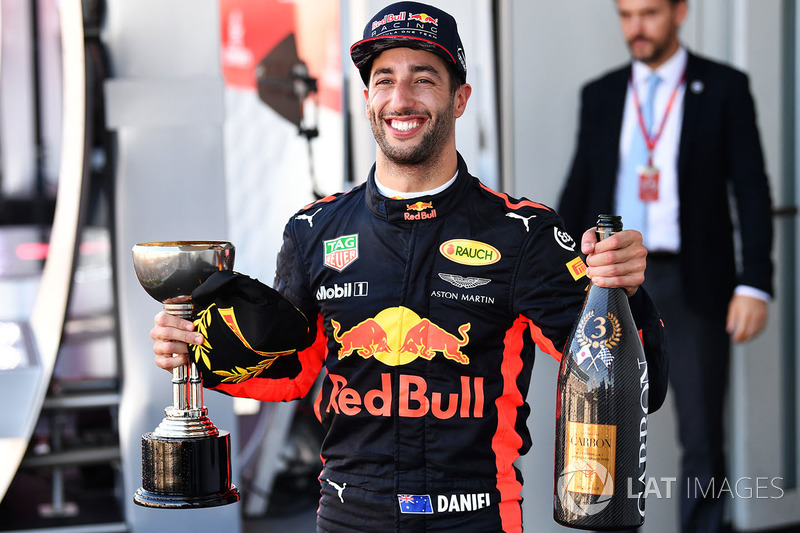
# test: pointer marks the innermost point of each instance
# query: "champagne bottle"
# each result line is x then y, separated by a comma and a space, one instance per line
601, 413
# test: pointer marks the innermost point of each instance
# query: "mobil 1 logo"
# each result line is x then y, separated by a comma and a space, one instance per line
344, 290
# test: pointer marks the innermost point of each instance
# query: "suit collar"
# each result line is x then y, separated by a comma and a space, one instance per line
692, 101
420, 208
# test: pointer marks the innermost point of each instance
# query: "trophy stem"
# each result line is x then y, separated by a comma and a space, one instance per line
187, 417
179, 382
195, 387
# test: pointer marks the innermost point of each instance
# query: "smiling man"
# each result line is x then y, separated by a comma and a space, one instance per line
426, 293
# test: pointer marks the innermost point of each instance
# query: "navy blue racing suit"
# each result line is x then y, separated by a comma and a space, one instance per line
426, 313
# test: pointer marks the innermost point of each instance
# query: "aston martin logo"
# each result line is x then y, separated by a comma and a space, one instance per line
462, 282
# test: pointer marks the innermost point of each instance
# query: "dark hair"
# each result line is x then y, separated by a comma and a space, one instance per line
457, 78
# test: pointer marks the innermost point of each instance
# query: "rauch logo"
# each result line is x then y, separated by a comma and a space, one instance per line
467, 252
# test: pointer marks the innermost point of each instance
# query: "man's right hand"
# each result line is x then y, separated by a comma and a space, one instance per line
172, 336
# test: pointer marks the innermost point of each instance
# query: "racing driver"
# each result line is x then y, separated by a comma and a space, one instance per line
426, 293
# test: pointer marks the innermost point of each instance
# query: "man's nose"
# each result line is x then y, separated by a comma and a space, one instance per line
403, 96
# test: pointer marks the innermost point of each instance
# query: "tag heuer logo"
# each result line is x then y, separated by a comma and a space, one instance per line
341, 252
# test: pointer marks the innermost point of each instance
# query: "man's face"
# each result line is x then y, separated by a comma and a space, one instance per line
650, 28
410, 105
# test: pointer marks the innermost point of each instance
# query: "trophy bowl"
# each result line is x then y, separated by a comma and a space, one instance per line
172, 270
186, 461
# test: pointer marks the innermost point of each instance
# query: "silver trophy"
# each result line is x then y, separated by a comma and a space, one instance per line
186, 460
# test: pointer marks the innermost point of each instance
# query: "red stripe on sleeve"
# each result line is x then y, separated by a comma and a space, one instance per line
506, 441
509, 204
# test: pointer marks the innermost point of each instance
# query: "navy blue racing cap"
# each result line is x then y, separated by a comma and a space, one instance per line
410, 25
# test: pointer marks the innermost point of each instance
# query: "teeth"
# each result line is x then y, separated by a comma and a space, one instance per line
404, 126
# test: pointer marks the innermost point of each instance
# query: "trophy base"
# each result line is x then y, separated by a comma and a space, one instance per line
170, 501
186, 473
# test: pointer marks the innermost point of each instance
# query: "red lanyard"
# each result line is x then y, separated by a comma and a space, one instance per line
651, 141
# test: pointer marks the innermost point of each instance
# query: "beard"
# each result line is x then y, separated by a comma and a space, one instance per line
656, 52
426, 149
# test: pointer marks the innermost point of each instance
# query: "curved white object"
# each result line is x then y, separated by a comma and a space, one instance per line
49, 310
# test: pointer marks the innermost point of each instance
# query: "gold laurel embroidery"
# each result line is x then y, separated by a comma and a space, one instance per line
201, 324
239, 374
580, 335
616, 332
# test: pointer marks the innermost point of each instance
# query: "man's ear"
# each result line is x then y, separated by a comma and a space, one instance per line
461, 97
681, 10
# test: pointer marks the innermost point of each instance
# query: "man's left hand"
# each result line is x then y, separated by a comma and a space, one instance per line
616, 261
747, 316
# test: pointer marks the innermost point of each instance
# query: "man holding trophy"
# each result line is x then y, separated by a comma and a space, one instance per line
423, 294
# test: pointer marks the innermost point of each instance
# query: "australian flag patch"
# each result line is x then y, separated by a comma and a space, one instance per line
415, 504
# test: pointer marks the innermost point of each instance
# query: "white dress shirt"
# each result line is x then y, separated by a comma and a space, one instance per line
663, 227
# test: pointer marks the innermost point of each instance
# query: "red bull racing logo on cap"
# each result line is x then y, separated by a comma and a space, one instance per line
390, 18
397, 336
341, 252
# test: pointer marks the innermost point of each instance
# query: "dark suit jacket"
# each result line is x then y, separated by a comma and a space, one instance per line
719, 153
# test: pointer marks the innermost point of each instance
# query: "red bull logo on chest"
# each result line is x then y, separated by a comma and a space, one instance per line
415, 398
397, 336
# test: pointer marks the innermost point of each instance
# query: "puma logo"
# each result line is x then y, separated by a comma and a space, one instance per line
309, 218
523, 219
339, 488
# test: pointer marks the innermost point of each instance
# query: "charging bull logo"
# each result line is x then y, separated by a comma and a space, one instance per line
397, 336
426, 338
367, 338
419, 206
424, 18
